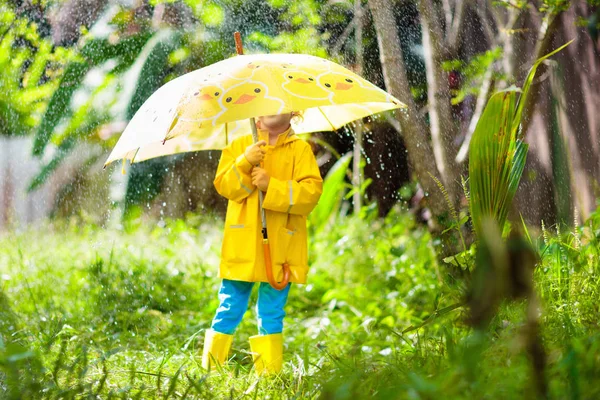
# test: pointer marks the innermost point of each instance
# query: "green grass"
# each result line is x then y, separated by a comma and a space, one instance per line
93, 313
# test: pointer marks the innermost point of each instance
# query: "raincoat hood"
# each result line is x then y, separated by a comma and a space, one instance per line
286, 136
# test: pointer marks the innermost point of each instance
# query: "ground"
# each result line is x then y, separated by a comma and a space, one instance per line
122, 312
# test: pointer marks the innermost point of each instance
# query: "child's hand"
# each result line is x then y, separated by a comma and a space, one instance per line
255, 152
260, 178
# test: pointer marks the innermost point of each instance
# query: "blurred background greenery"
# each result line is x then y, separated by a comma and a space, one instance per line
74, 73
107, 280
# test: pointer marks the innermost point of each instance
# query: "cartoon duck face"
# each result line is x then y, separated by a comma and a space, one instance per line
243, 94
299, 77
242, 73
318, 66
202, 103
347, 89
303, 85
243, 100
198, 106
336, 81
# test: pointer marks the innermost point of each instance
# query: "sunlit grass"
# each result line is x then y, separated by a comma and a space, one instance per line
86, 311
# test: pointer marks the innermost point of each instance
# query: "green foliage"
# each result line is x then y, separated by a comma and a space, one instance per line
495, 156
141, 64
456, 222
473, 73
304, 40
120, 64
212, 14
90, 312
334, 188
149, 70
27, 62
497, 153
94, 53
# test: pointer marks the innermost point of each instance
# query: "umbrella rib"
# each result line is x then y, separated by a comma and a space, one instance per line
135, 154
272, 78
327, 119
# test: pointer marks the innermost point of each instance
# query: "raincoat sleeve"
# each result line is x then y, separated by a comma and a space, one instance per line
301, 194
233, 180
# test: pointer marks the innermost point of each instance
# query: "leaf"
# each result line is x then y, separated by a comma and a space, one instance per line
490, 159
497, 154
73, 134
36, 70
62, 152
527, 84
147, 73
94, 52
58, 104
333, 192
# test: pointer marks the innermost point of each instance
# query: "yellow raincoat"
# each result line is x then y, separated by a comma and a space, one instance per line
293, 192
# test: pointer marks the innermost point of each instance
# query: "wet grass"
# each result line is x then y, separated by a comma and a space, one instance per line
93, 313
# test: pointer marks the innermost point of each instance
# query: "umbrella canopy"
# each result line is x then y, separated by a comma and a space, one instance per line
207, 108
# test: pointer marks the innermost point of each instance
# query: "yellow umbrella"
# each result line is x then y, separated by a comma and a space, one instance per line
207, 108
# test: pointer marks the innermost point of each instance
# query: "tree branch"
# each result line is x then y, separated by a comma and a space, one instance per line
447, 13
344, 36
544, 39
412, 125
479, 107
454, 31
483, 14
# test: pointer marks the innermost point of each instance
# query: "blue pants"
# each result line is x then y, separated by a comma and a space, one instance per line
233, 298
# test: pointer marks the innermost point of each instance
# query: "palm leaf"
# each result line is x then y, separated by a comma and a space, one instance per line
527, 85
333, 192
497, 153
148, 71
58, 104
93, 53
143, 77
154, 67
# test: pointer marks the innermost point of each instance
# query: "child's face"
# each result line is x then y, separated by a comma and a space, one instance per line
275, 122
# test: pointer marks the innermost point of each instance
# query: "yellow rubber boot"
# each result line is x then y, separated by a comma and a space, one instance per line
216, 348
267, 352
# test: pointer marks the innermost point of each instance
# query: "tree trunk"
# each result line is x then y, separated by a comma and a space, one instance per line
577, 122
444, 128
71, 16
413, 126
358, 131
578, 116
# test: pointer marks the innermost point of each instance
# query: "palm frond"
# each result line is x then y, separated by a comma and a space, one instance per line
497, 153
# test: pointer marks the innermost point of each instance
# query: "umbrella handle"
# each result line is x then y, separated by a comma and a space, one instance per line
238, 43
267, 250
286, 269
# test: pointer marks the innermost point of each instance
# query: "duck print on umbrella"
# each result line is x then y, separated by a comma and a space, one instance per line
241, 100
248, 72
197, 108
208, 121
302, 89
344, 88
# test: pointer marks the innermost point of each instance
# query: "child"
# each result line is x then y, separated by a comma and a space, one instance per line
290, 179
